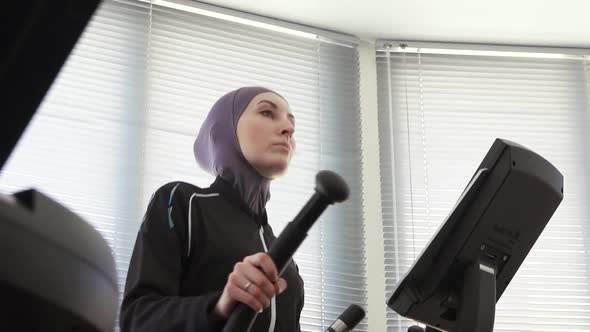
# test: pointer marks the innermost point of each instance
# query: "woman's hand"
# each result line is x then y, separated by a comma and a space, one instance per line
254, 282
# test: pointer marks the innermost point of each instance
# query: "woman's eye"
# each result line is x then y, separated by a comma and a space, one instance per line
266, 113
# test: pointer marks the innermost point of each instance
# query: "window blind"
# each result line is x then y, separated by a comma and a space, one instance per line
438, 116
122, 116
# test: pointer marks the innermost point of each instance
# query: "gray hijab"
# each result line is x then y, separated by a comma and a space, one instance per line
218, 151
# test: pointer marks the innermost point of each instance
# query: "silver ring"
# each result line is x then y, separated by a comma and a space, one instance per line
246, 286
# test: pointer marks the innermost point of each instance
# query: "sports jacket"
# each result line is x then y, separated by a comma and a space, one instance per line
188, 243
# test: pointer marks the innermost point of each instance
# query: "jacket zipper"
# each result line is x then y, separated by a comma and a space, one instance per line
273, 303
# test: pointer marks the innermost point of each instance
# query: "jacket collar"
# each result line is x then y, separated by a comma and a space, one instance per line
232, 195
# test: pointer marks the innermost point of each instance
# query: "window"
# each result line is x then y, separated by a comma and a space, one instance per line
439, 112
121, 118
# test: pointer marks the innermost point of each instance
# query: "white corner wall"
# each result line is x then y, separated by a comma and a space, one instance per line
376, 306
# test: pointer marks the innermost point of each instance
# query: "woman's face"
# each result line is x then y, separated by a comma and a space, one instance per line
265, 133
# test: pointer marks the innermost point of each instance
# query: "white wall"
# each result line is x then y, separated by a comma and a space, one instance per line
376, 306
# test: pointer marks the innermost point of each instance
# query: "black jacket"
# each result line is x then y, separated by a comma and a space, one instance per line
188, 243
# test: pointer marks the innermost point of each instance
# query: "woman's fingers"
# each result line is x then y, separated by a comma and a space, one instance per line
254, 282
265, 263
257, 277
281, 285
242, 295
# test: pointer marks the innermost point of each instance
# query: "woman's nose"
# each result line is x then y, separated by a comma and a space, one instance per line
288, 128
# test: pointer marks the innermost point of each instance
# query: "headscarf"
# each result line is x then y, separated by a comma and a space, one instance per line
218, 151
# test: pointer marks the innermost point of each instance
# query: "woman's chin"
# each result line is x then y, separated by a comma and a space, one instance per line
274, 170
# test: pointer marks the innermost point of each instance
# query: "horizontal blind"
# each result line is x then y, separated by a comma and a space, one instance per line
343, 274
122, 116
439, 114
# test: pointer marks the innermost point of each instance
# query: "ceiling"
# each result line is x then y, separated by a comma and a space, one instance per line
564, 23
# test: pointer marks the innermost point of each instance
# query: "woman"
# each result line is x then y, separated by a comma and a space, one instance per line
201, 251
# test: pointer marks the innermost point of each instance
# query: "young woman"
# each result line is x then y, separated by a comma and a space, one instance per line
200, 251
